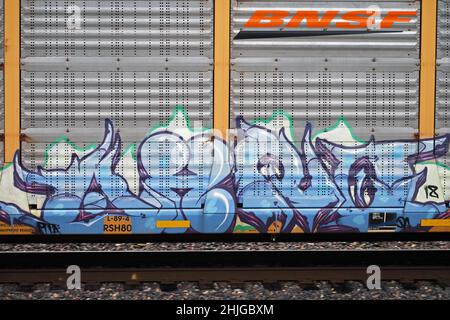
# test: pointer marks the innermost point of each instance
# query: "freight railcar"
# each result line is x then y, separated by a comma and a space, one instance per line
226, 116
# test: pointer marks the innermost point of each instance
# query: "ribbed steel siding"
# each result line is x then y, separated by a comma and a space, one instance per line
2, 102
385, 102
83, 143
2, 117
143, 28
370, 79
130, 61
394, 167
443, 67
443, 40
47, 143
385, 45
443, 84
77, 99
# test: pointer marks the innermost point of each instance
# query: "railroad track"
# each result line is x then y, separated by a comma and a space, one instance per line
236, 267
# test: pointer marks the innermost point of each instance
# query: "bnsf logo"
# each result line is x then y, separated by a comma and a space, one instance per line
332, 18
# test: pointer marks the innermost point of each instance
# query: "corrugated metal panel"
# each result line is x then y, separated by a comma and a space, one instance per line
443, 66
127, 28
444, 172
442, 97
136, 100
2, 29
391, 166
443, 84
158, 158
443, 40
369, 79
133, 62
405, 43
2, 118
377, 100
2, 104
43, 154
53, 149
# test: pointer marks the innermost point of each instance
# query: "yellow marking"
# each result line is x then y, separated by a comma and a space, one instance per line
117, 225
435, 223
6, 229
275, 227
222, 66
163, 224
440, 229
12, 78
428, 68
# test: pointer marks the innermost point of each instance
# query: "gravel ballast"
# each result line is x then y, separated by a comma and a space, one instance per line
252, 291
219, 246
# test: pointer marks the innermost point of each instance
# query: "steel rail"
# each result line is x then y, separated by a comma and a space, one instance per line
300, 237
229, 266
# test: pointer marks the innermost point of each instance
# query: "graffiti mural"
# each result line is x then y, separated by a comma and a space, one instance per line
262, 179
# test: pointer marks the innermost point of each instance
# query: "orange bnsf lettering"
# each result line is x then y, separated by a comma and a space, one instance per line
267, 19
312, 19
397, 16
355, 19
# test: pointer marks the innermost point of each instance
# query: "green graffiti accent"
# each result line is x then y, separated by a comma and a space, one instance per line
6, 166
274, 115
162, 125
243, 228
289, 117
178, 109
65, 139
131, 148
337, 125
438, 164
